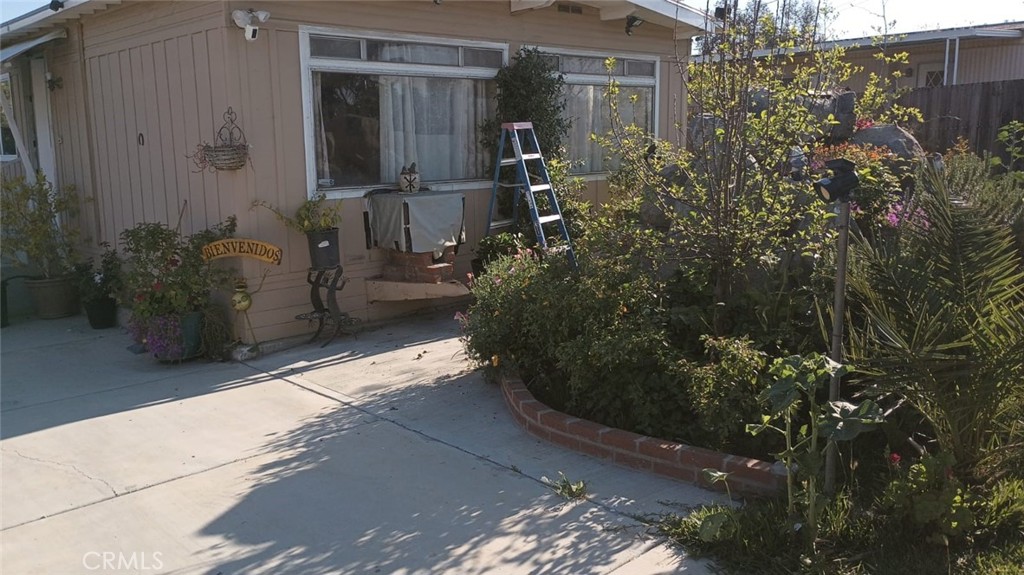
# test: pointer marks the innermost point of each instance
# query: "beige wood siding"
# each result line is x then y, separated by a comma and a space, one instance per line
155, 90
269, 90
145, 82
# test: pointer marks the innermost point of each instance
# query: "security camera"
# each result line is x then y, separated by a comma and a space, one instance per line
251, 32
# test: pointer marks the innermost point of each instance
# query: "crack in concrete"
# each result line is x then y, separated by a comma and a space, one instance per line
62, 464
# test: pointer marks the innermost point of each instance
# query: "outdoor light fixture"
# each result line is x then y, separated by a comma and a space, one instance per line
249, 20
632, 22
722, 12
56, 5
840, 185
837, 188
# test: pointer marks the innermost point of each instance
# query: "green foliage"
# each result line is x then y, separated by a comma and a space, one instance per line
313, 214
1000, 196
724, 392
928, 498
501, 244
106, 281
530, 89
878, 101
1011, 136
798, 381
165, 271
569, 490
941, 324
38, 224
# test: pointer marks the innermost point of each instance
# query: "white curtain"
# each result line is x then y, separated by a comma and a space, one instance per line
323, 169
589, 114
433, 122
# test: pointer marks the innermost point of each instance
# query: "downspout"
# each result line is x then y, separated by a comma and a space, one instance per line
956, 59
945, 65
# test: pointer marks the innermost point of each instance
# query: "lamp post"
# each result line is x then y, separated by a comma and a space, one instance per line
837, 188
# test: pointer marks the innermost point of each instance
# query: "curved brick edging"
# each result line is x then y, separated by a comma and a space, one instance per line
676, 460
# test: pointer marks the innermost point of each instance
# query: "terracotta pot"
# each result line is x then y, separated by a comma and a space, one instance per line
54, 297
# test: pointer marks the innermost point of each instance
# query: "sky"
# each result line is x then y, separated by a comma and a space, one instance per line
857, 18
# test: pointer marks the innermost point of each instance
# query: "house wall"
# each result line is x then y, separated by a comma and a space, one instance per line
154, 79
981, 60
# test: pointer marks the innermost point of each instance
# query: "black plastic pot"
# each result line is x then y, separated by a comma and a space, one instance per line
324, 251
102, 313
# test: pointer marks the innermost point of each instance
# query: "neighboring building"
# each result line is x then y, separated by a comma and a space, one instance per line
954, 56
111, 96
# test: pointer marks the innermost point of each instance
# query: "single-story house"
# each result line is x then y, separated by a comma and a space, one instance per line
112, 96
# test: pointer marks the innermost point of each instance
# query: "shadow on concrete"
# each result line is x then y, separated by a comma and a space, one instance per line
55, 372
346, 496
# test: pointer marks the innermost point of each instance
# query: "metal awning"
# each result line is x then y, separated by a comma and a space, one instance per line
14, 49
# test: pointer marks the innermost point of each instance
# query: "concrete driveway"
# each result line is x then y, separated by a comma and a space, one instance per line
383, 453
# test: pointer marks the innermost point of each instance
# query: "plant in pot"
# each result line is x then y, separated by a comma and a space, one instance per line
39, 234
319, 220
97, 288
168, 285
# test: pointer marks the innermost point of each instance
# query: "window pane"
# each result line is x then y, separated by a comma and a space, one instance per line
334, 48
7, 147
368, 127
638, 68
381, 51
588, 65
590, 114
482, 58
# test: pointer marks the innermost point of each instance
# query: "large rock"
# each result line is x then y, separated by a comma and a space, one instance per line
890, 136
838, 104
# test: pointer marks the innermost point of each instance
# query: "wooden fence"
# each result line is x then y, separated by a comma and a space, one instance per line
972, 111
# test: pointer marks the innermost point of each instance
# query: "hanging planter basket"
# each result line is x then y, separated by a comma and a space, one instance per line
229, 150
226, 157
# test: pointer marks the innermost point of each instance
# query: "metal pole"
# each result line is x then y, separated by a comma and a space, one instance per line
838, 313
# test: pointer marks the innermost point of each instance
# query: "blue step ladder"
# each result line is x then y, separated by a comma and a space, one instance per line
519, 136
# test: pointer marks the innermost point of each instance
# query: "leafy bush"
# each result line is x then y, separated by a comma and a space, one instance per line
928, 498
724, 393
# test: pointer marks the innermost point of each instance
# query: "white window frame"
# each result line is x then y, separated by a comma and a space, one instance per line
602, 80
311, 64
6, 78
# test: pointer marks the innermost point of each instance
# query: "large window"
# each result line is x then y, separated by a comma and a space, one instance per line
377, 104
586, 82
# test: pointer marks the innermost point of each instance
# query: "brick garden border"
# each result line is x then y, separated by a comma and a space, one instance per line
676, 460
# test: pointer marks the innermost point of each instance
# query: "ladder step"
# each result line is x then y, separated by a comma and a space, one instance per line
536, 156
509, 162
549, 219
540, 188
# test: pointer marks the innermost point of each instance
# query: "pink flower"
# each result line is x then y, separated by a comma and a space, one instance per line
894, 458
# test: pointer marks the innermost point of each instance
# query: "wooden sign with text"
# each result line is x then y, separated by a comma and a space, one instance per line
240, 247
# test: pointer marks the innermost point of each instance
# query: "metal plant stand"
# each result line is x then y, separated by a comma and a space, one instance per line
331, 280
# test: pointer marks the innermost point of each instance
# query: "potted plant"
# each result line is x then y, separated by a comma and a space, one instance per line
98, 286
167, 284
38, 234
319, 221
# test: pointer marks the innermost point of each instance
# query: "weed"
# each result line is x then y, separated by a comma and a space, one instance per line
569, 490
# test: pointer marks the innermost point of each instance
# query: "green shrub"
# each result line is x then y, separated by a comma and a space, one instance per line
724, 392
928, 498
